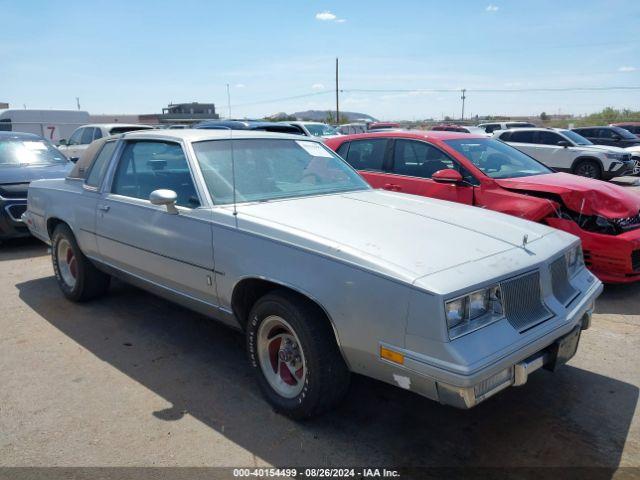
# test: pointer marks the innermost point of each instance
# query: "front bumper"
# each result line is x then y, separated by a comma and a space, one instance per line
500, 370
611, 258
11, 224
620, 169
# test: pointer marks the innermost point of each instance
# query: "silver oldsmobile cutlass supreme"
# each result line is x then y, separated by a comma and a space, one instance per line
276, 235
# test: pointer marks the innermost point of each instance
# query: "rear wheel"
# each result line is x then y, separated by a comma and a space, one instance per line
295, 356
588, 168
77, 277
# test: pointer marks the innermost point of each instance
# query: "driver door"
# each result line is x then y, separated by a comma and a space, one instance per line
174, 251
413, 164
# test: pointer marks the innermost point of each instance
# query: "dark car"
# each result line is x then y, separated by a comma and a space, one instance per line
633, 127
24, 157
614, 136
250, 125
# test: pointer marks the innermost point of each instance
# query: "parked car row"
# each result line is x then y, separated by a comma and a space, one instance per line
276, 235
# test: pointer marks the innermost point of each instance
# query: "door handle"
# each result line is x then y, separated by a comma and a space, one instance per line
104, 208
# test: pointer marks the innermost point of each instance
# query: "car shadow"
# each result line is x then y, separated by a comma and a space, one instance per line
22, 248
570, 418
619, 299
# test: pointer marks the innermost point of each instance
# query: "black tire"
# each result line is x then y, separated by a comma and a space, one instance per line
588, 168
327, 377
89, 281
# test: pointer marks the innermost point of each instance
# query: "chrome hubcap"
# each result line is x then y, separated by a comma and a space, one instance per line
281, 357
67, 264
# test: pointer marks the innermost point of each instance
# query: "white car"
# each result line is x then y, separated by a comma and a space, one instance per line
316, 129
567, 151
83, 136
491, 127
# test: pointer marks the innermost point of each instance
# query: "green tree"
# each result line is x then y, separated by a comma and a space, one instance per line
544, 117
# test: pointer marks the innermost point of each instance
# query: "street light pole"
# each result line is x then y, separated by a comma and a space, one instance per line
463, 99
337, 97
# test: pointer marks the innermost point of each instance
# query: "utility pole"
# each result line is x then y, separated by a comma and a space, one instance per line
337, 98
229, 100
78, 102
463, 99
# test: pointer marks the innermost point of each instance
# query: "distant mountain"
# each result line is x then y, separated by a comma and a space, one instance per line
321, 116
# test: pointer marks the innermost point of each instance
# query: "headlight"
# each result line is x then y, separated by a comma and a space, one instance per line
575, 260
474, 310
615, 156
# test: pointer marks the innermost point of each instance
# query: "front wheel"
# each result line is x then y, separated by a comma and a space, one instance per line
294, 355
77, 277
588, 168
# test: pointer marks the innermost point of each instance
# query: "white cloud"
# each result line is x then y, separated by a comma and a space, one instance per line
240, 85
627, 69
329, 17
492, 8
317, 86
325, 16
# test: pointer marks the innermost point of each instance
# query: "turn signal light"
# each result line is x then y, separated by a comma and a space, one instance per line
392, 356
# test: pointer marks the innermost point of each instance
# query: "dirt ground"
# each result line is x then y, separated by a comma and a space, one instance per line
132, 380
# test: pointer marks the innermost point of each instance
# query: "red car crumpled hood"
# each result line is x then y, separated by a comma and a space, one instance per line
582, 195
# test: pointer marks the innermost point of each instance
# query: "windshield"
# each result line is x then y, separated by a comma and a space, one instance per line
29, 152
575, 137
268, 169
624, 133
320, 129
496, 159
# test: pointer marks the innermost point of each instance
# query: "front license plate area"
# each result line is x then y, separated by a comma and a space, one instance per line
563, 349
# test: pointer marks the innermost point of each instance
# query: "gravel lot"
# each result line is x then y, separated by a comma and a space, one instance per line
132, 380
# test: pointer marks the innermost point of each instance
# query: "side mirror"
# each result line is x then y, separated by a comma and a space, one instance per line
448, 175
563, 143
62, 142
165, 197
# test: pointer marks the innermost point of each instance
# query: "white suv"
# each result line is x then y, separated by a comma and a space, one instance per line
567, 151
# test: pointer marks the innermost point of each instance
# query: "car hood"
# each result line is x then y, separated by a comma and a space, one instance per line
580, 194
400, 235
25, 174
634, 149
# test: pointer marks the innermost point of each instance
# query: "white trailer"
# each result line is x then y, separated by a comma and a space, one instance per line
54, 125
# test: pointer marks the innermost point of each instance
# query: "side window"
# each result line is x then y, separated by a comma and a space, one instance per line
343, 149
367, 154
505, 137
522, 136
77, 135
96, 173
419, 159
587, 132
146, 166
605, 133
87, 136
491, 127
97, 133
549, 138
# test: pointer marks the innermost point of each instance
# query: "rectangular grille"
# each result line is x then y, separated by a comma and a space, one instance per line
522, 301
635, 260
562, 289
14, 190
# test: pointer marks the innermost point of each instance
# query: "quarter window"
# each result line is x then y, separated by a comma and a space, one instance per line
146, 166
96, 173
343, 149
367, 154
97, 133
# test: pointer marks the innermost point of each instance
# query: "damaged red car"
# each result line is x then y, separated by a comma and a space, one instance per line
490, 174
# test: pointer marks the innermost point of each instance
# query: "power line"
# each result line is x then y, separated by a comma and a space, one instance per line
283, 99
489, 90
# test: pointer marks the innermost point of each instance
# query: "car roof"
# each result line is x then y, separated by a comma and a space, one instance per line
531, 129
113, 125
202, 134
417, 134
19, 136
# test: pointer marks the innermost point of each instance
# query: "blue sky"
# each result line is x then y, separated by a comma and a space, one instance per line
136, 56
